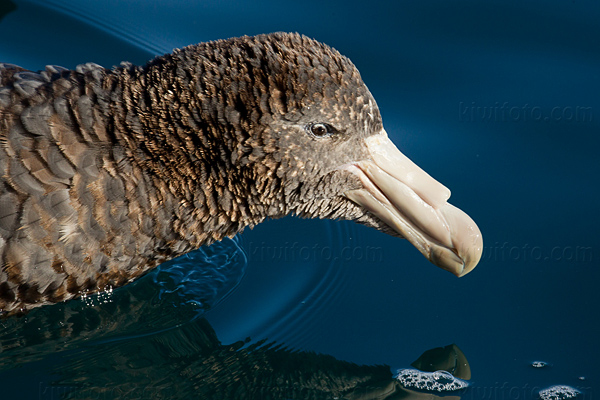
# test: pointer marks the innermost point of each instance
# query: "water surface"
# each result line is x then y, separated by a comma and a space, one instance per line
497, 100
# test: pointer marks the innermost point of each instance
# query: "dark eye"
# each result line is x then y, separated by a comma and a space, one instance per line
320, 129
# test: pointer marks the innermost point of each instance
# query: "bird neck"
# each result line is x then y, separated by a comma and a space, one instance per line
186, 153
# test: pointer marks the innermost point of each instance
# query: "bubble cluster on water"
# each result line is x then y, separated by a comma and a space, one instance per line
559, 392
539, 364
438, 381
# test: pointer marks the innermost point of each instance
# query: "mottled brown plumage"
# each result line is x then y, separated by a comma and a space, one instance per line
106, 173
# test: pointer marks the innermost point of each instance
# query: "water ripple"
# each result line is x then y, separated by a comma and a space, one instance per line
202, 277
107, 23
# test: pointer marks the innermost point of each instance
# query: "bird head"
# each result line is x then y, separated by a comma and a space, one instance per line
308, 136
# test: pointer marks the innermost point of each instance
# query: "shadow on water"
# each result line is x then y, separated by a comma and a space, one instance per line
6, 7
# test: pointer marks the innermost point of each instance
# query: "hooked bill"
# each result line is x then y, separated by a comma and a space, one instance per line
415, 205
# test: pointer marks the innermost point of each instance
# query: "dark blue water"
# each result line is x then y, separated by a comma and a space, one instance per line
500, 101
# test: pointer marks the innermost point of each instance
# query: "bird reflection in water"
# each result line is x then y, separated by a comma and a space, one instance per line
122, 360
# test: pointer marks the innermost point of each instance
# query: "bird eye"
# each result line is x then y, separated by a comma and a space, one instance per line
320, 129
